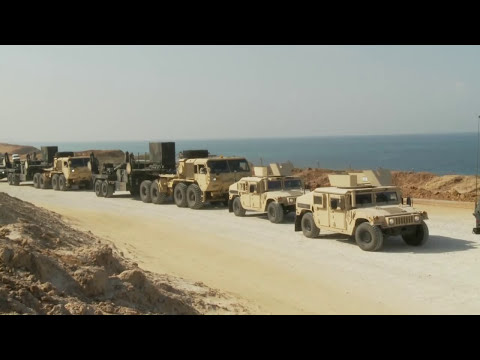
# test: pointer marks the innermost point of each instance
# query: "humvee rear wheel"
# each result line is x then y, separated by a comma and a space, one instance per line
275, 212
417, 236
62, 183
368, 237
145, 191
194, 197
309, 227
36, 181
55, 185
157, 196
238, 209
43, 181
98, 188
180, 195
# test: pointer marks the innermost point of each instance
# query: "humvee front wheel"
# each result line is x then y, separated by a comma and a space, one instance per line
417, 236
157, 196
309, 228
55, 182
238, 209
145, 191
36, 181
98, 188
275, 212
194, 196
369, 237
62, 183
180, 195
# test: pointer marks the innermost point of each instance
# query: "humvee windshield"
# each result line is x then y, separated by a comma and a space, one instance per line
387, 197
79, 162
274, 185
293, 184
225, 166
363, 200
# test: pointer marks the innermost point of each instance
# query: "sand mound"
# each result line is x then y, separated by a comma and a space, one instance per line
47, 267
17, 149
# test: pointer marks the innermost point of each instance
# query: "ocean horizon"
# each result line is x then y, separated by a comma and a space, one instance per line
437, 153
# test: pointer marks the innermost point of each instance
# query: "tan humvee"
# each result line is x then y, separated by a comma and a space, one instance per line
272, 189
198, 181
66, 173
364, 205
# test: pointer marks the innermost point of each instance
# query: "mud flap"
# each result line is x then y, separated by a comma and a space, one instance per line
230, 205
298, 222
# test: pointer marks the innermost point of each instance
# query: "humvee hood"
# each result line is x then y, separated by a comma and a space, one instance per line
284, 193
387, 210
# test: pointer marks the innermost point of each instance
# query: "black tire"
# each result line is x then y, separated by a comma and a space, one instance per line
275, 212
98, 188
55, 185
145, 191
194, 196
62, 183
180, 195
36, 180
418, 236
9, 179
16, 179
309, 228
157, 196
368, 237
238, 209
43, 181
107, 189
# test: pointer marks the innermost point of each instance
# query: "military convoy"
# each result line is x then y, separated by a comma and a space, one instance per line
272, 189
363, 205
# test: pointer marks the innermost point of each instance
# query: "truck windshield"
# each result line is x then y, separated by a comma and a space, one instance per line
387, 197
74, 163
293, 184
238, 165
363, 200
218, 166
274, 185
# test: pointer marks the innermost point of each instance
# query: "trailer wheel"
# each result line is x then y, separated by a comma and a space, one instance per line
275, 212
157, 196
55, 185
194, 197
418, 236
145, 191
238, 209
16, 179
36, 180
43, 181
98, 188
9, 179
368, 237
180, 195
309, 228
107, 189
62, 183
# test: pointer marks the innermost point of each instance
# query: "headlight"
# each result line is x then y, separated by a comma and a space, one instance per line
417, 218
391, 221
214, 179
291, 200
73, 170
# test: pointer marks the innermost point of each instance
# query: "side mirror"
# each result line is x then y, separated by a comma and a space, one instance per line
409, 201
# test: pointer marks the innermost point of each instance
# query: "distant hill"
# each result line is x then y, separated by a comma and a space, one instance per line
17, 149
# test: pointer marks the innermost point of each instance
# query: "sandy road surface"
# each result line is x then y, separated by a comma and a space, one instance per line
279, 270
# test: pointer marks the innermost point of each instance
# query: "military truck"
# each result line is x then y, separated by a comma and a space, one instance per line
272, 189
200, 179
4, 165
67, 172
363, 205
29, 170
133, 174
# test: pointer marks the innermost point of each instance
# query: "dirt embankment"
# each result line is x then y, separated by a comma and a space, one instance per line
47, 267
420, 185
18, 149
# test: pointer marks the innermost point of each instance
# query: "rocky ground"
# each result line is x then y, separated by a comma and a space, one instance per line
47, 267
421, 185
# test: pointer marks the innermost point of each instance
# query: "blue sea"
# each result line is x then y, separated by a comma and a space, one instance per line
440, 154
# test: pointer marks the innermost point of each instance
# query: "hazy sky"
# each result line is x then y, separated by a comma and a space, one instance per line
85, 93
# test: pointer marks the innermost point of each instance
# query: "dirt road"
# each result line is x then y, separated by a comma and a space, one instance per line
280, 270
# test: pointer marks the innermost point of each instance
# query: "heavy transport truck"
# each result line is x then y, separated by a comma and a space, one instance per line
364, 206
132, 173
4, 165
200, 179
21, 171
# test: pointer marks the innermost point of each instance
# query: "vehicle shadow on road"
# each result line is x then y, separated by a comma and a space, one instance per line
287, 219
436, 244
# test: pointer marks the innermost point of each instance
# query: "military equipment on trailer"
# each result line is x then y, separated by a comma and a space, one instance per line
272, 189
198, 180
133, 173
364, 205
4, 165
28, 170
